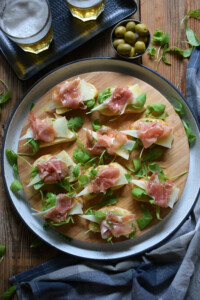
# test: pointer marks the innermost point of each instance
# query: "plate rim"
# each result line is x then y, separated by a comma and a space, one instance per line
8, 125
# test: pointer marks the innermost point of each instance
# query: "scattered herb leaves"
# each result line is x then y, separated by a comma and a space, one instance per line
75, 123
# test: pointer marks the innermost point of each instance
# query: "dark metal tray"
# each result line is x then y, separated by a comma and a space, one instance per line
69, 33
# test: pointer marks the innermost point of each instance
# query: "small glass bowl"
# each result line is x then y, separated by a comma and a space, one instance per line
113, 38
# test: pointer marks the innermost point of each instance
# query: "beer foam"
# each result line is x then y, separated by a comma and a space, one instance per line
24, 18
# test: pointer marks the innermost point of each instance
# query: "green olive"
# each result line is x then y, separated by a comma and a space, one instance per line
117, 42
119, 31
130, 26
140, 47
130, 37
124, 49
142, 39
141, 29
132, 52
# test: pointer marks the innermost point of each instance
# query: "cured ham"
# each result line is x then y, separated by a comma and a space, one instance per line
68, 94
160, 192
116, 226
60, 211
150, 132
52, 170
118, 101
43, 130
104, 180
107, 138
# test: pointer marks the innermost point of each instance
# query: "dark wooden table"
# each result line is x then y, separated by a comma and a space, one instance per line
163, 14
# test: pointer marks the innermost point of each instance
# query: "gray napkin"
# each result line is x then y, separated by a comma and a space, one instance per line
171, 271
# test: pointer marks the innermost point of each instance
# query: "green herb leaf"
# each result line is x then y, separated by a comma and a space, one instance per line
152, 154
128, 177
34, 171
157, 209
104, 95
99, 214
192, 38
16, 186
2, 252
109, 239
164, 55
95, 124
140, 101
93, 173
190, 135
81, 156
5, 96
11, 157
159, 37
90, 103
83, 180
36, 243
155, 109
106, 202
76, 170
34, 144
75, 123
137, 164
179, 108
146, 217
9, 293
38, 185
185, 53
50, 201
65, 184
152, 51
194, 13
139, 193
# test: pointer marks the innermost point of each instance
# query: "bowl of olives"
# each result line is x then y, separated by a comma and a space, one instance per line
130, 38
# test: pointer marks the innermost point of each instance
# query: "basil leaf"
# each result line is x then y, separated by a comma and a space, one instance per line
139, 193
104, 95
16, 186
95, 124
36, 243
140, 101
192, 38
146, 217
5, 97
11, 157
179, 108
76, 170
153, 154
9, 293
75, 123
90, 103
190, 135
155, 109
152, 51
137, 164
99, 214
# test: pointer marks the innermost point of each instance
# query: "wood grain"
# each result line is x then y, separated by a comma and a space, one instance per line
174, 160
162, 14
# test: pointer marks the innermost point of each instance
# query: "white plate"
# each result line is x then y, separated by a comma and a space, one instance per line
98, 251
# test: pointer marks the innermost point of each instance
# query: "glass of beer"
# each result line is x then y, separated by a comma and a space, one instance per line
27, 23
86, 10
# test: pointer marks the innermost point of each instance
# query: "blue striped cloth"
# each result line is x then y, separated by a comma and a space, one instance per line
171, 271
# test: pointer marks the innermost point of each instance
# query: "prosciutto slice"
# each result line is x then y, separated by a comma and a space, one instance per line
42, 129
150, 132
118, 101
60, 211
52, 170
107, 139
159, 191
117, 226
104, 180
68, 94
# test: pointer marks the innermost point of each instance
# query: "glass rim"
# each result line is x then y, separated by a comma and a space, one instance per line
30, 36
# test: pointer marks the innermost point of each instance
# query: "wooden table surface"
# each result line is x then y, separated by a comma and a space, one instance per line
156, 14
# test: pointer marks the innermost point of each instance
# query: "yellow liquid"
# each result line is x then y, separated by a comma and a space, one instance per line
84, 12
39, 46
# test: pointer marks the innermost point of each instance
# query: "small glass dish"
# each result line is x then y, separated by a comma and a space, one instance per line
129, 36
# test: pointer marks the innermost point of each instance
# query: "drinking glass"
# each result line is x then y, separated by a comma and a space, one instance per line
27, 23
86, 10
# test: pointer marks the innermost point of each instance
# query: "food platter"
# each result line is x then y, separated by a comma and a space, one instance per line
82, 247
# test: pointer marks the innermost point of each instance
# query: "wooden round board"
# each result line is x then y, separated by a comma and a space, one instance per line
174, 160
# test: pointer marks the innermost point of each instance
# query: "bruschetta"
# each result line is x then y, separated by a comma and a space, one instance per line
111, 140
151, 131
112, 221
122, 100
72, 95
